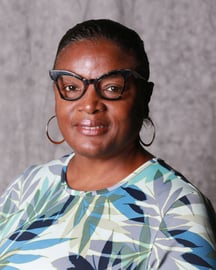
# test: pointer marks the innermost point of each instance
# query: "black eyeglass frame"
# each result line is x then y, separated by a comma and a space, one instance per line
126, 73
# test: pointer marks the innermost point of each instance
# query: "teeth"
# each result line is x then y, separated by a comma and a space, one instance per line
97, 127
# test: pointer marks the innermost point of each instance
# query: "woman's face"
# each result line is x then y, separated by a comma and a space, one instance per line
92, 126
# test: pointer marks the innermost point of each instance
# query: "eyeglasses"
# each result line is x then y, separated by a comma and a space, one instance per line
108, 86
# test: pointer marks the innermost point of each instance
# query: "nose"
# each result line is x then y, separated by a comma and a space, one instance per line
90, 102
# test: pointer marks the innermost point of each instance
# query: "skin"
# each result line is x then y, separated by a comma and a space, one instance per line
102, 133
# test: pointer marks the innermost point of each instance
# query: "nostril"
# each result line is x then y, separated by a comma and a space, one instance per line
94, 107
91, 103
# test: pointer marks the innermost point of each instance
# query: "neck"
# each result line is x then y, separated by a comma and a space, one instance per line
93, 174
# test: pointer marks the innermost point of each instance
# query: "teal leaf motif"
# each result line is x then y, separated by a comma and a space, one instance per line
92, 222
81, 211
158, 175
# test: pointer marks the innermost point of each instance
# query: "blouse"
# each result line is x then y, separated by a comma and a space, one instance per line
152, 219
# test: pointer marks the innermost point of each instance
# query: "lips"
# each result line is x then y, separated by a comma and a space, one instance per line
91, 127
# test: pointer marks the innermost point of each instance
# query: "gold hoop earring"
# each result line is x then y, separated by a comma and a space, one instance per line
148, 122
47, 131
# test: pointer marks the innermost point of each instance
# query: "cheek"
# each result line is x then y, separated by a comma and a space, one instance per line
62, 107
63, 112
124, 115
134, 116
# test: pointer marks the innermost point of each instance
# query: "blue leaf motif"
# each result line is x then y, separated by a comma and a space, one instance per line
196, 260
104, 260
79, 263
135, 193
23, 236
18, 258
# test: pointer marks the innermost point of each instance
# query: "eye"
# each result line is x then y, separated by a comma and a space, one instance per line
71, 88
112, 91
112, 88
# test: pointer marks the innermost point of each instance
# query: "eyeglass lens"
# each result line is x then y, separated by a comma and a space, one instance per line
109, 86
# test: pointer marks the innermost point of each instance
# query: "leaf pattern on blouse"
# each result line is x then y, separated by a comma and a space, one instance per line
152, 219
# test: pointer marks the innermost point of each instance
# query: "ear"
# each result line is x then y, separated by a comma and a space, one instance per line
143, 99
148, 90
150, 86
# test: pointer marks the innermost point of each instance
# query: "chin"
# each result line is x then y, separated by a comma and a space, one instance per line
93, 152
87, 150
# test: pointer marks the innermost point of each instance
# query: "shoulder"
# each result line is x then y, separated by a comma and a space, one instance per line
49, 170
36, 177
178, 197
162, 178
185, 220
37, 187
52, 168
165, 187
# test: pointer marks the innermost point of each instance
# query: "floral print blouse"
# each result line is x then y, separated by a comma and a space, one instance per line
152, 219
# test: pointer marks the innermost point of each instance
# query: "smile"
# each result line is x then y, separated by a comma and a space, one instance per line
91, 128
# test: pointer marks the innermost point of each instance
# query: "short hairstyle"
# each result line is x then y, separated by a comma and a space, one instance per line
123, 36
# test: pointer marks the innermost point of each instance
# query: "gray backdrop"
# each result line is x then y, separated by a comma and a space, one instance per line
180, 39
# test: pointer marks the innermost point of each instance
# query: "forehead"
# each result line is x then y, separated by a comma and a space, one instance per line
94, 57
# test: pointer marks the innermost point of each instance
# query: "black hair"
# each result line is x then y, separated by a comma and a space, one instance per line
123, 36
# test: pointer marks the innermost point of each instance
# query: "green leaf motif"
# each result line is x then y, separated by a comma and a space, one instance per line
92, 222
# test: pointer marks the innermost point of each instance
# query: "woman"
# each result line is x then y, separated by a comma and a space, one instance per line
110, 204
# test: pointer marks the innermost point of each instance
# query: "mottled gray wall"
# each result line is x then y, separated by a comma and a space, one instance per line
180, 38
